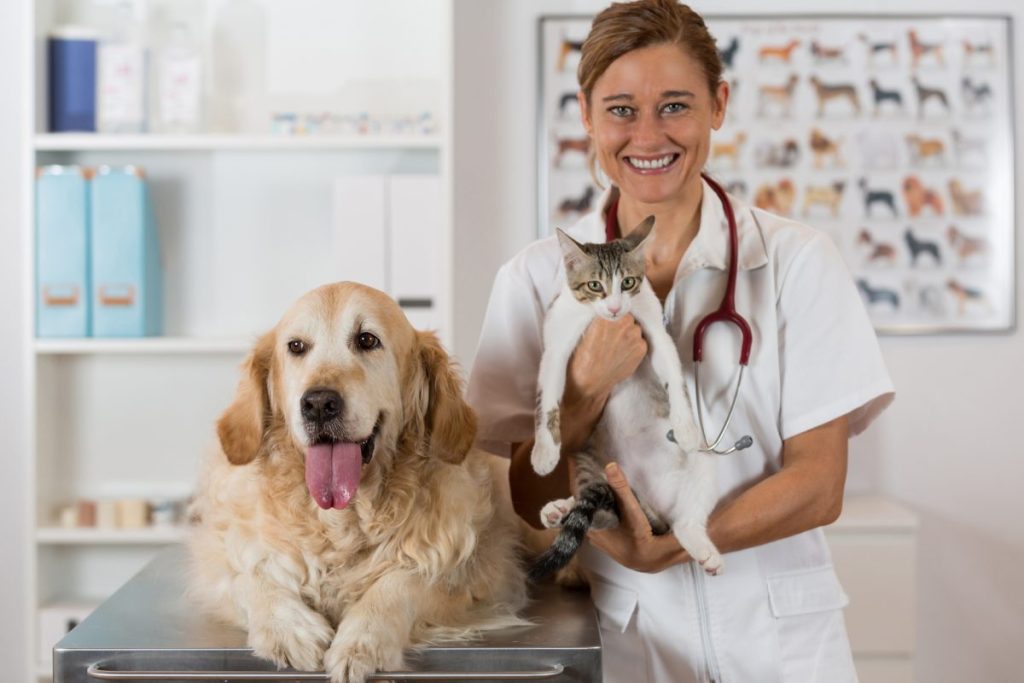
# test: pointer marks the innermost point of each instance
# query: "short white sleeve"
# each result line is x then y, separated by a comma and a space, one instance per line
831, 363
503, 382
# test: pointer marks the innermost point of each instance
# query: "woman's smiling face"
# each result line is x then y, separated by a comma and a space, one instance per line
650, 120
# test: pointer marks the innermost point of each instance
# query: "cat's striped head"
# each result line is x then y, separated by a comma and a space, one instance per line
606, 275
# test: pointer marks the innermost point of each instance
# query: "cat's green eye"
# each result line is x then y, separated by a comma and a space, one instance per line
595, 286
628, 282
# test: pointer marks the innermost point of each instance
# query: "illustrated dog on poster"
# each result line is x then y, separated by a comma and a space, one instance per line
924, 150
567, 47
777, 98
721, 149
827, 54
782, 154
969, 150
875, 195
881, 96
876, 47
825, 149
964, 246
977, 96
968, 299
918, 197
835, 92
779, 53
876, 251
776, 197
920, 50
578, 205
984, 50
926, 94
917, 246
874, 295
567, 102
728, 53
966, 203
565, 146
828, 196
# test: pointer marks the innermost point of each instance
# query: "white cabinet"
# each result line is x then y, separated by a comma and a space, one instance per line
249, 219
874, 547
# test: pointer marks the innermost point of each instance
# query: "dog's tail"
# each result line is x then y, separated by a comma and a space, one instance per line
575, 524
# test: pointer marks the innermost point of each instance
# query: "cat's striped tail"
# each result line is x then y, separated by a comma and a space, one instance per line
593, 497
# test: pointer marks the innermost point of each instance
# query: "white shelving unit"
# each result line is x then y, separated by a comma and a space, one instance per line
245, 219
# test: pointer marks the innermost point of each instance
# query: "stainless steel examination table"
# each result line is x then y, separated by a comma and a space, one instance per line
149, 631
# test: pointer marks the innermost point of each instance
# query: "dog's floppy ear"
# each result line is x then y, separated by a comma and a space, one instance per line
450, 422
243, 424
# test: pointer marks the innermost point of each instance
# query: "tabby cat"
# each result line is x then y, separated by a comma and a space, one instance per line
647, 425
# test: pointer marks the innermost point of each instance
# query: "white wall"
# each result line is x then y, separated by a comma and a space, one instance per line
949, 446
13, 534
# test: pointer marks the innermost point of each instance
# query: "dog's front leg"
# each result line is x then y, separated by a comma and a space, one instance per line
375, 629
282, 628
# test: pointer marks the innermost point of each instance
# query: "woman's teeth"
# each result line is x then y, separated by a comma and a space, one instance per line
651, 164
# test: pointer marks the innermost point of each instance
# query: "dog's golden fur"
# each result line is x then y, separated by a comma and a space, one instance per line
426, 550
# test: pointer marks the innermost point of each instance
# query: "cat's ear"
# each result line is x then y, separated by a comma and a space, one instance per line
639, 235
572, 251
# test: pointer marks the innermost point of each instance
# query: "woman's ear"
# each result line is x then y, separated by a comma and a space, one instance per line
449, 421
242, 426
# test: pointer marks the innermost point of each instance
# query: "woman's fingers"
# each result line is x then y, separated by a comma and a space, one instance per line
630, 511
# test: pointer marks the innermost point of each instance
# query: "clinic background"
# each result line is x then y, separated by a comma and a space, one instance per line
949, 447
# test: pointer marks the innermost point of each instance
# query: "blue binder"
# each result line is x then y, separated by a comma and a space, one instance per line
62, 258
127, 280
72, 81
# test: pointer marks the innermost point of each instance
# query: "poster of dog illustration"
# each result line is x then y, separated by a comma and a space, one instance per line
891, 134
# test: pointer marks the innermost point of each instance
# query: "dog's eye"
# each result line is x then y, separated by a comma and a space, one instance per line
297, 347
368, 341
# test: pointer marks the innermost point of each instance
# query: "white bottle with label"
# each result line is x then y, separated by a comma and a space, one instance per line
121, 74
178, 72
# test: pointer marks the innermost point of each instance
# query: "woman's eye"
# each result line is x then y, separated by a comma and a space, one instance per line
368, 342
297, 347
621, 111
674, 107
594, 286
628, 282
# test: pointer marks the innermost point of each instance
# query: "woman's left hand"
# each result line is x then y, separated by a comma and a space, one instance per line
632, 543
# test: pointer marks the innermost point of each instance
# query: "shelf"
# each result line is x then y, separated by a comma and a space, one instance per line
87, 536
73, 142
144, 345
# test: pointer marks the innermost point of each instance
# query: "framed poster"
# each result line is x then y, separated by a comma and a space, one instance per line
893, 135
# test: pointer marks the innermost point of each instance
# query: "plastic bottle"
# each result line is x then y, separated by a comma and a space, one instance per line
178, 75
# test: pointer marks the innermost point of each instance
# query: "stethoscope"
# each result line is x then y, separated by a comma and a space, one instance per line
726, 312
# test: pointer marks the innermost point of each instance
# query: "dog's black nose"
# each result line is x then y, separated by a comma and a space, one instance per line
321, 405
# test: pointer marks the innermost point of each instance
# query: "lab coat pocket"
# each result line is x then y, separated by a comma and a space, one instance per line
805, 591
615, 605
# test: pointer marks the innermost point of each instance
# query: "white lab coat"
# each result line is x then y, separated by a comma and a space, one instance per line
775, 614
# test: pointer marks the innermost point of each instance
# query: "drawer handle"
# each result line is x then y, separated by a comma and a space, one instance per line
96, 671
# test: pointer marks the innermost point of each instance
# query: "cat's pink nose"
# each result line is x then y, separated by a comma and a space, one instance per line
614, 310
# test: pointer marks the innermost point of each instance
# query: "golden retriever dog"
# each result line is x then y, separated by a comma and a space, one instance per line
344, 517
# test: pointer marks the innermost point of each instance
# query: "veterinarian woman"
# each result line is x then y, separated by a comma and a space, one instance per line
651, 93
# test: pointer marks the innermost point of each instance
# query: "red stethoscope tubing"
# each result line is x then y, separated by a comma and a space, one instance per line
726, 311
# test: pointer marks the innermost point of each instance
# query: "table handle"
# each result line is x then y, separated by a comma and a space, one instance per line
98, 672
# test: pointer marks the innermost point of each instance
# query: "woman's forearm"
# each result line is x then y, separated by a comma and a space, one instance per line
530, 491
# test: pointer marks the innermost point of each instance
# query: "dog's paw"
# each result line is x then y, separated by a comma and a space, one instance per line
354, 656
545, 454
552, 514
297, 639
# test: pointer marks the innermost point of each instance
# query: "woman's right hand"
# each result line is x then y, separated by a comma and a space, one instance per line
609, 352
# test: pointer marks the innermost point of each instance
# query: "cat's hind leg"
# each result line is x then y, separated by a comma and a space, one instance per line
697, 492
552, 514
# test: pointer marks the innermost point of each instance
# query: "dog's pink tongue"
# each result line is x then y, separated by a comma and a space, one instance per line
332, 473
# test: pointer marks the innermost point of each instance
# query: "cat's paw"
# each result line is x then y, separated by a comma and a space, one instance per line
713, 563
552, 514
545, 454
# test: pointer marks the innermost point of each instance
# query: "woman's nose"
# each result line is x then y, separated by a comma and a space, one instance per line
648, 130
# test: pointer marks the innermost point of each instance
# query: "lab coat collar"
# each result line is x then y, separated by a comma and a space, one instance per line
710, 247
